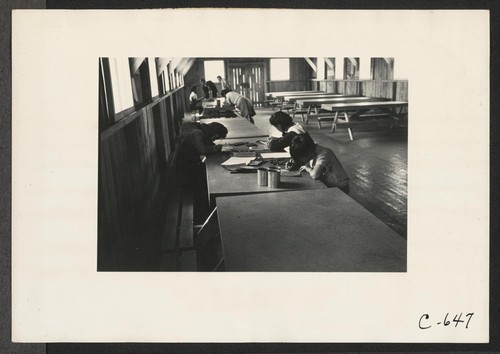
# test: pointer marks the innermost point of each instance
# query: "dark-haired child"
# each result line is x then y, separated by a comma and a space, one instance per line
319, 161
284, 123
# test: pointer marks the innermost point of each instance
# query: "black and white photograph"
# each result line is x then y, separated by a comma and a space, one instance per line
252, 164
299, 176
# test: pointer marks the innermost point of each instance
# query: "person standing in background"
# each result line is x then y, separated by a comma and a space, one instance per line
223, 83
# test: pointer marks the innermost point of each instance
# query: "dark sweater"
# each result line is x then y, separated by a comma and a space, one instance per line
283, 142
193, 142
210, 85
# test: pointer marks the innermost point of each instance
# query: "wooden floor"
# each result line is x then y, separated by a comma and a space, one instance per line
376, 162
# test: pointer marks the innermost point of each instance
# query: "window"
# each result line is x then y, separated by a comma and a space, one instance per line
280, 69
213, 68
162, 75
153, 77
121, 83
351, 68
163, 83
141, 82
382, 68
330, 68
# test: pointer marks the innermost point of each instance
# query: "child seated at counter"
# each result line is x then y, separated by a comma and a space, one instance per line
284, 123
319, 161
197, 139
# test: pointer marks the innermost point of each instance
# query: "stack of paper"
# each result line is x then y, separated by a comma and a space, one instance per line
232, 161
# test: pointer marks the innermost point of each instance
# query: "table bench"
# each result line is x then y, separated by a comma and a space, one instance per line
359, 110
305, 106
222, 182
294, 98
280, 94
277, 98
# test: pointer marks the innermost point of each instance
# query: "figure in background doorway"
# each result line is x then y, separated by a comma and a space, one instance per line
242, 104
209, 89
319, 161
223, 83
194, 101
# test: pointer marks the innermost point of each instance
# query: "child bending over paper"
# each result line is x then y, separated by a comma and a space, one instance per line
284, 123
319, 161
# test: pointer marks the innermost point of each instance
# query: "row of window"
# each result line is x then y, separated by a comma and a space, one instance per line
129, 83
280, 69
380, 68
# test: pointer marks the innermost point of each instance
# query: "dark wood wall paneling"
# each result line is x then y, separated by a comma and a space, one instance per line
382, 69
401, 91
289, 85
392, 89
302, 78
133, 161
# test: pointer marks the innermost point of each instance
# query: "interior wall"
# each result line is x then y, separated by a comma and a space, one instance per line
192, 78
134, 155
300, 69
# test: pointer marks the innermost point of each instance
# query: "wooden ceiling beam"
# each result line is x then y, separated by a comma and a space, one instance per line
311, 64
330, 63
188, 66
354, 62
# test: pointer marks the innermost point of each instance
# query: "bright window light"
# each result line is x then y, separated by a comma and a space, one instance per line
280, 69
153, 77
121, 83
213, 68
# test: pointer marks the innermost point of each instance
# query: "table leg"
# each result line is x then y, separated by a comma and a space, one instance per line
334, 124
346, 117
391, 113
307, 114
219, 265
317, 110
203, 235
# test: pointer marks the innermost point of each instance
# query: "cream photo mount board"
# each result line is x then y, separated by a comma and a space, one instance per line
57, 294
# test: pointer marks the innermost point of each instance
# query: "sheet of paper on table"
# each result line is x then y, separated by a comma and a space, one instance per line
275, 155
232, 161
